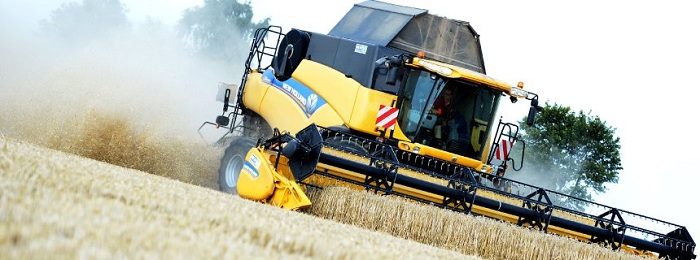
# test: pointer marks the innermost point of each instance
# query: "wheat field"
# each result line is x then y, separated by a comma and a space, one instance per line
451, 230
58, 205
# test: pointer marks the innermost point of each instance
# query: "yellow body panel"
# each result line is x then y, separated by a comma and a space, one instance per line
256, 181
254, 92
367, 102
259, 181
344, 101
485, 153
285, 114
288, 194
339, 91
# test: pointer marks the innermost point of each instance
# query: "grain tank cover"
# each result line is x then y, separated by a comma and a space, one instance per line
374, 22
412, 30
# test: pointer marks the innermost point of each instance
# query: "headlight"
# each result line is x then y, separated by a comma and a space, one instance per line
445, 71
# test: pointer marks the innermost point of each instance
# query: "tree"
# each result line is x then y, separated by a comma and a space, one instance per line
572, 153
80, 22
220, 28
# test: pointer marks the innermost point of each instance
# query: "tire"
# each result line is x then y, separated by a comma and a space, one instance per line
232, 163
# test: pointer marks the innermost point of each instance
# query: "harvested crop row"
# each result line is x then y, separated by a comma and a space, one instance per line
58, 205
448, 229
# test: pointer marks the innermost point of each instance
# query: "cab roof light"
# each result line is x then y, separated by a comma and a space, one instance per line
518, 91
445, 71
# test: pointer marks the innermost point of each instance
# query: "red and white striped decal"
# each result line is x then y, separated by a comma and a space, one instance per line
386, 117
503, 149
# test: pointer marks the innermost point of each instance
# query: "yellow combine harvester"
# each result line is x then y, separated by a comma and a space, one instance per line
396, 100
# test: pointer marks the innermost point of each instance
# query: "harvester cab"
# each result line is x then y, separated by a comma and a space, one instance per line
451, 109
389, 102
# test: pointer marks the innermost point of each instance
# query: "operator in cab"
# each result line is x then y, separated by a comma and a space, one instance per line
450, 126
443, 105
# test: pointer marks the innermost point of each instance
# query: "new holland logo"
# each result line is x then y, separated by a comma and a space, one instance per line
303, 96
311, 103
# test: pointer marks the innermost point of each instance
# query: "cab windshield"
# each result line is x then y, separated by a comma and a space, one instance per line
448, 114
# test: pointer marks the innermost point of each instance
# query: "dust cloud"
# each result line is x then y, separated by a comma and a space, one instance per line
133, 98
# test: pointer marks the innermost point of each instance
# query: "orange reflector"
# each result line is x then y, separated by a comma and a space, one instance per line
521, 84
421, 54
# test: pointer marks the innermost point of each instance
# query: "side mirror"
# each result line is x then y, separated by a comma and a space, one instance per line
534, 102
392, 64
392, 76
531, 115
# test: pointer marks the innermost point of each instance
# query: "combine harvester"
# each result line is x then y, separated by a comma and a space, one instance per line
363, 106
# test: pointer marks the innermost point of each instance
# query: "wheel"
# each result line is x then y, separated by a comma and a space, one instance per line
232, 163
347, 144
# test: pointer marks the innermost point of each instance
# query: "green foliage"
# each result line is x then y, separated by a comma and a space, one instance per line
80, 22
221, 29
573, 153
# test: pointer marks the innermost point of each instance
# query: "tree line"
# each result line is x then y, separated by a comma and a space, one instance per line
217, 29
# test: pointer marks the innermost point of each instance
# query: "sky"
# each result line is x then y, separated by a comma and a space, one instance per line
632, 63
